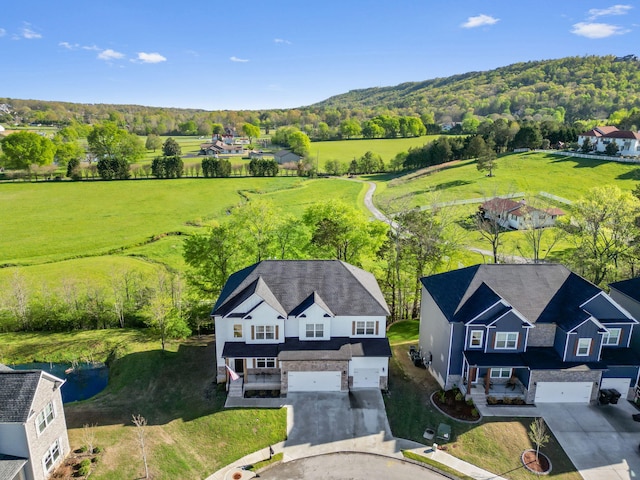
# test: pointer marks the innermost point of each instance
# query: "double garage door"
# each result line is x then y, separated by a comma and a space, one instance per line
563, 392
315, 381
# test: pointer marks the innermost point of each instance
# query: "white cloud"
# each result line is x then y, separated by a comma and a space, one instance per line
91, 47
109, 55
3, 32
239, 60
30, 34
150, 57
480, 21
597, 30
68, 46
613, 10
282, 41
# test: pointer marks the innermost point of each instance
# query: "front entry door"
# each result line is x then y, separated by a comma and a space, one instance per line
239, 366
473, 374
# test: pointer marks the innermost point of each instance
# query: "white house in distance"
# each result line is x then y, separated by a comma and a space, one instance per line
33, 431
628, 142
301, 325
518, 215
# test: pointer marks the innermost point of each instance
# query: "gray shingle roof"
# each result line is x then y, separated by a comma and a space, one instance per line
345, 289
10, 466
543, 293
17, 389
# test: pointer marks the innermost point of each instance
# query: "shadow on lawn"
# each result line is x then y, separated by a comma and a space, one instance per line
159, 386
410, 412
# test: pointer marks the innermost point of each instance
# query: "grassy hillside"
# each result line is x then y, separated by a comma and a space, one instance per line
530, 173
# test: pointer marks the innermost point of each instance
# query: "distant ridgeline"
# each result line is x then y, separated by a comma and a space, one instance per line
566, 89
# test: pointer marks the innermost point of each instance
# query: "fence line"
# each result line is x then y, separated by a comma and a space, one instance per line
592, 157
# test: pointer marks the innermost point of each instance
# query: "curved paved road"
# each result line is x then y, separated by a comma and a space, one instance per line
352, 466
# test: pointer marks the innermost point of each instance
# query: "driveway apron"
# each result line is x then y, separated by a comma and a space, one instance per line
328, 422
601, 440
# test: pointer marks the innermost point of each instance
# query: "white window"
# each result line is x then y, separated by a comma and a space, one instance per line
365, 328
265, 332
51, 457
237, 331
314, 330
265, 362
506, 340
500, 373
476, 338
612, 337
45, 417
584, 347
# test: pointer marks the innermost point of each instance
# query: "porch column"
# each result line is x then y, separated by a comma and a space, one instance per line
487, 381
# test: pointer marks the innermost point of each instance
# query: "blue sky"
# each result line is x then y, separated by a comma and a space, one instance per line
282, 54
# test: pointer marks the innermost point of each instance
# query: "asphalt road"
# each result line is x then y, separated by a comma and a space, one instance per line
349, 466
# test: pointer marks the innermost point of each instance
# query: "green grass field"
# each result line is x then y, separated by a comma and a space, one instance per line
524, 172
347, 150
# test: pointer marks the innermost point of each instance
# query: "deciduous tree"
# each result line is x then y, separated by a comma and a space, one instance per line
22, 149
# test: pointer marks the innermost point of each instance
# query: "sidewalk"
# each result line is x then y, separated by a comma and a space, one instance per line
423, 450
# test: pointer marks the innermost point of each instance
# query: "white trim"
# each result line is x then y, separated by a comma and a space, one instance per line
486, 310
578, 354
526, 340
566, 346
592, 319
469, 345
506, 341
446, 379
623, 310
607, 335
516, 313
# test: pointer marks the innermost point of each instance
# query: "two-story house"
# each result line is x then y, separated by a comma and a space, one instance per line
33, 431
302, 325
537, 329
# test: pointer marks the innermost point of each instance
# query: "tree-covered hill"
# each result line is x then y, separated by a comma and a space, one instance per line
571, 88
564, 90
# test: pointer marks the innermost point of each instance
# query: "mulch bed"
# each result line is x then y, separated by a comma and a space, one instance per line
458, 409
540, 466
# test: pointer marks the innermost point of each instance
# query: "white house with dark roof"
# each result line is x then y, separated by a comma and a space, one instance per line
301, 325
33, 431
628, 142
534, 331
518, 215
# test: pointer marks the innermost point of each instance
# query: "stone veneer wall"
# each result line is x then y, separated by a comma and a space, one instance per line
314, 366
542, 335
563, 376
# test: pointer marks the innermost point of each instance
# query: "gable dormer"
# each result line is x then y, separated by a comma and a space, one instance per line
314, 318
617, 321
583, 342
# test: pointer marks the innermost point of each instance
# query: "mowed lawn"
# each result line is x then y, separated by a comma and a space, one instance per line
530, 173
189, 434
347, 150
53, 221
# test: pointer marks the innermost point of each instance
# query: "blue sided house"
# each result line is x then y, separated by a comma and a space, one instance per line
537, 332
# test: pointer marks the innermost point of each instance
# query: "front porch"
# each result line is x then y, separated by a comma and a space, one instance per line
262, 381
492, 378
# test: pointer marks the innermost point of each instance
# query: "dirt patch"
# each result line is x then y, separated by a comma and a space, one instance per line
419, 376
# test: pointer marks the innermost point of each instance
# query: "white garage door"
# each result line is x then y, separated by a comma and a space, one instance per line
315, 381
563, 392
366, 378
619, 384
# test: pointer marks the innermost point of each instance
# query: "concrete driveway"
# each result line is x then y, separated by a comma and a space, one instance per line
328, 422
601, 440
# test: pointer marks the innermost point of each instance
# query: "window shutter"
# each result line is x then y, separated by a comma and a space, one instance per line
253, 332
590, 347
493, 340
277, 330
377, 327
575, 348
621, 337
520, 335
353, 328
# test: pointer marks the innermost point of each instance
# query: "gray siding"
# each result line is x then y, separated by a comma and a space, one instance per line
586, 330
457, 347
434, 337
